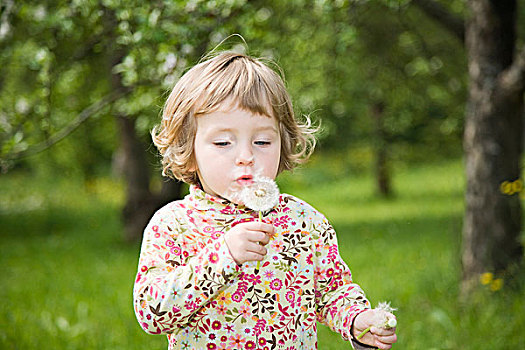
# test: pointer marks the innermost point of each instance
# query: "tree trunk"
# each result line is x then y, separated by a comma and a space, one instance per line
141, 203
492, 143
137, 209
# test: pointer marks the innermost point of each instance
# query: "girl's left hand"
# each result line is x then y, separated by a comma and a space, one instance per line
383, 338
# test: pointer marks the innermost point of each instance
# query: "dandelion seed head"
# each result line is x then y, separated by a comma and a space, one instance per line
262, 195
383, 318
385, 306
392, 323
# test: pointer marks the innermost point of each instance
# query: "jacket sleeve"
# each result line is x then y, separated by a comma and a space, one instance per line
176, 278
339, 299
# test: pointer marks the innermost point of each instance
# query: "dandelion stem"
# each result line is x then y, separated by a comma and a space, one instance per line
363, 333
258, 262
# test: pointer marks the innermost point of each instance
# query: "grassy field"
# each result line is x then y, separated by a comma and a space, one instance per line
66, 276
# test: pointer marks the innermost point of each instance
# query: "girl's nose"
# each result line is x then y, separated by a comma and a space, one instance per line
245, 157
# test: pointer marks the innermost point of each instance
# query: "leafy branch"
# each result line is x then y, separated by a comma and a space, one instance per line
72, 126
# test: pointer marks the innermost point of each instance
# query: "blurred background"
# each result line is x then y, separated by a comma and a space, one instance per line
82, 83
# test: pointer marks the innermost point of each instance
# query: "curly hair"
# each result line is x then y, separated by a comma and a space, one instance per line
252, 85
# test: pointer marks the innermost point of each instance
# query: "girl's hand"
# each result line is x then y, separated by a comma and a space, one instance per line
246, 241
383, 338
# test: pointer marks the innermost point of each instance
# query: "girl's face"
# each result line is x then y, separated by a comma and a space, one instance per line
232, 146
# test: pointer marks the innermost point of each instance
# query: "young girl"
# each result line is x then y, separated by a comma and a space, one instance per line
214, 274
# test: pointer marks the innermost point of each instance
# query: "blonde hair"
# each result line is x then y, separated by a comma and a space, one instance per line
252, 86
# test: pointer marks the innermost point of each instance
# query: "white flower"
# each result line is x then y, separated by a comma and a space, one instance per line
383, 317
385, 306
392, 322
260, 196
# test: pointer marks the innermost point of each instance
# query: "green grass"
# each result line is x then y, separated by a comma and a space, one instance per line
67, 277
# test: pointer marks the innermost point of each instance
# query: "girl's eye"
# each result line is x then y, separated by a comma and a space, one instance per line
221, 143
262, 143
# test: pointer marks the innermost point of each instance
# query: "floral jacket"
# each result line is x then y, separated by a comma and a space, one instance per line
189, 287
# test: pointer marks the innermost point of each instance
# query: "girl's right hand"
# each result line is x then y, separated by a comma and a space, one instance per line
246, 241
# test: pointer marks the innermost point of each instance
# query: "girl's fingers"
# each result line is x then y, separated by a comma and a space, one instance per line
388, 339
384, 338
268, 228
265, 239
258, 237
383, 346
382, 331
251, 256
259, 226
256, 248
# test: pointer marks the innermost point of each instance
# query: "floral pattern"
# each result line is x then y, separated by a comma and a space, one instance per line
189, 287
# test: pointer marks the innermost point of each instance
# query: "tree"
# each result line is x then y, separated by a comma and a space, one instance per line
493, 136
493, 140
107, 59
379, 86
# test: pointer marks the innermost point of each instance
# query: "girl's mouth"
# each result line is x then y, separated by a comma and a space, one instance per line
245, 180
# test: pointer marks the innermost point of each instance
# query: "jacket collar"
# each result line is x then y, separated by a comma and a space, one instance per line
201, 200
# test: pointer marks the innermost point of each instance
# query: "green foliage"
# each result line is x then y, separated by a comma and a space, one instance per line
61, 57
67, 278
343, 58
340, 58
